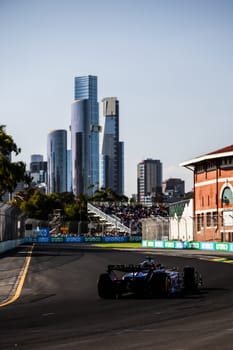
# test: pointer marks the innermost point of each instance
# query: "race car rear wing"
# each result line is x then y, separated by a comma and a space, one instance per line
127, 268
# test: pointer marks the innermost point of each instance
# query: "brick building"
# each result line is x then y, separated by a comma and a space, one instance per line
213, 195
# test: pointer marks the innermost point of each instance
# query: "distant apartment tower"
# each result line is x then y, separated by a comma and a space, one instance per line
112, 157
174, 189
57, 161
85, 136
149, 179
38, 170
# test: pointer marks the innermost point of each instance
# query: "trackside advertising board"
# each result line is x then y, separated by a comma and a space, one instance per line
42, 236
215, 246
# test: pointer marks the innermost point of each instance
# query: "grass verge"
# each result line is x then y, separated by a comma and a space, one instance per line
119, 245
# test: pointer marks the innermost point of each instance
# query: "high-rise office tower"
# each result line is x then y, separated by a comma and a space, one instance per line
38, 170
85, 136
112, 157
69, 171
57, 161
149, 179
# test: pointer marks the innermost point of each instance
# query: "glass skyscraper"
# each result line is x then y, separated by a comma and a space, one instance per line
112, 157
85, 135
69, 171
57, 161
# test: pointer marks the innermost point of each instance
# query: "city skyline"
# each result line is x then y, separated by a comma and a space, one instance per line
168, 62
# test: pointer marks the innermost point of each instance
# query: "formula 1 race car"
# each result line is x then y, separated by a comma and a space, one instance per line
147, 279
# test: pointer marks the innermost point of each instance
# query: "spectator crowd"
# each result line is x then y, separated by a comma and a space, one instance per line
131, 215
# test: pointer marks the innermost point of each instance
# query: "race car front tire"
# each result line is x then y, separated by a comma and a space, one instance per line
190, 278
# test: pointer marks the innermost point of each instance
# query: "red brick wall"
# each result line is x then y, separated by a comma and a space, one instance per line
207, 198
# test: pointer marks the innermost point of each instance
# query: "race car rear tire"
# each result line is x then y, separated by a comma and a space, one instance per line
189, 278
160, 284
106, 289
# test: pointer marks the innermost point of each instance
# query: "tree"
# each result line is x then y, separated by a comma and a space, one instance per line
10, 172
37, 206
108, 195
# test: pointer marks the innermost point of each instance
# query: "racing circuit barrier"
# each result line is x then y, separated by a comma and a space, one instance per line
151, 244
212, 246
43, 236
9, 245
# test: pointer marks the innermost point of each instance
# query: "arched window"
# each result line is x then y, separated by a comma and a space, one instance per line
227, 196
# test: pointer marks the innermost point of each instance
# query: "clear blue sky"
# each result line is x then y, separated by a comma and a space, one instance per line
169, 62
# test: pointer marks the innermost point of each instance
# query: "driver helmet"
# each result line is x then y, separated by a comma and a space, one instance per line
148, 263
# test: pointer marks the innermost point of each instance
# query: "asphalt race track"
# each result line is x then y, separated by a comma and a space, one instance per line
59, 307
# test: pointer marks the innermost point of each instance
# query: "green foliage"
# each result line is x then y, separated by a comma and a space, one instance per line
108, 195
73, 212
132, 200
7, 144
11, 173
38, 205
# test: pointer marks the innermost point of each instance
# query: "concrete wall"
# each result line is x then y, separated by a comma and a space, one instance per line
8, 245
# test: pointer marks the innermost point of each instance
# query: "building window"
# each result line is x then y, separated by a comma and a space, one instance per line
208, 219
215, 218
200, 168
227, 197
198, 222
227, 162
211, 165
202, 220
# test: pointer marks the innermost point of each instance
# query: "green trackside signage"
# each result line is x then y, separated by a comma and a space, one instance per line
134, 239
57, 239
215, 246
194, 245
43, 236
222, 246
163, 244
96, 239
169, 245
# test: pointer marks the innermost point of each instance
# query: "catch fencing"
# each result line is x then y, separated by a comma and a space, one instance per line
11, 222
187, 228
157, 228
